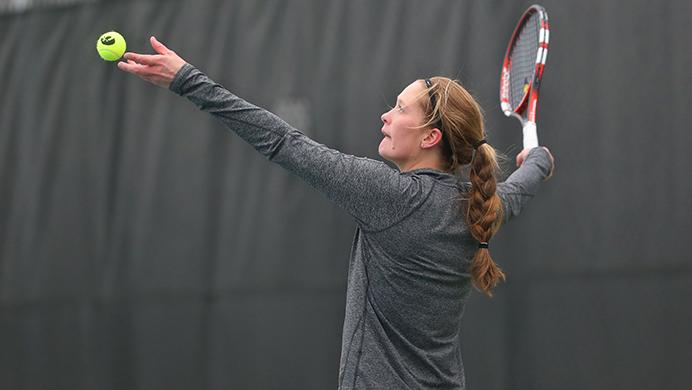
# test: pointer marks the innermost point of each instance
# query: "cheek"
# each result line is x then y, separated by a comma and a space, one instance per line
402, 142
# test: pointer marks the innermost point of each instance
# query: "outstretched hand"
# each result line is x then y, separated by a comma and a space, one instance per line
522, 156
158, 69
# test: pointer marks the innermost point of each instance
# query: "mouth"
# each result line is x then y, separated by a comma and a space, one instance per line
384, 133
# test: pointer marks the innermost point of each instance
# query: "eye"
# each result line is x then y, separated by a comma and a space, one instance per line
400, 107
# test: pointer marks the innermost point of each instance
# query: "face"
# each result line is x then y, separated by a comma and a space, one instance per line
401, 127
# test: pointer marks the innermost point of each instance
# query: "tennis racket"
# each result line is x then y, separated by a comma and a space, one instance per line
522, 70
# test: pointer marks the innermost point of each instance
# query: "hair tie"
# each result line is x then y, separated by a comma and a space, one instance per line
479, 143
483, 245
431, 95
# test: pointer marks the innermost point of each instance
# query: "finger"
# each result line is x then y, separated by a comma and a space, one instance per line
145, 59
131, 67
124, 66
158, 46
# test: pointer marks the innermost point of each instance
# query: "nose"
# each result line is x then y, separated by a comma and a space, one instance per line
385, 117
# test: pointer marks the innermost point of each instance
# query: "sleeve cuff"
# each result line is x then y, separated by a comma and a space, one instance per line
543, 159
180, 77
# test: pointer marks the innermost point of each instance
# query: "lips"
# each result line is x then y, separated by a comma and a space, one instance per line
384, 133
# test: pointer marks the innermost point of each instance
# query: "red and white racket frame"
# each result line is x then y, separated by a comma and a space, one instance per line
530, 99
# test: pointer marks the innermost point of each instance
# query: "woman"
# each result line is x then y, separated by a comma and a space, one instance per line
422, 236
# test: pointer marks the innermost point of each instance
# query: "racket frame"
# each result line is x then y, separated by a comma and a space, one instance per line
525, 111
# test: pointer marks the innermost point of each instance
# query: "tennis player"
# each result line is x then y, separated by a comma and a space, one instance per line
423, 232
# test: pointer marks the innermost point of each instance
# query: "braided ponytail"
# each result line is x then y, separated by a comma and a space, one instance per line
483, 217
460, 118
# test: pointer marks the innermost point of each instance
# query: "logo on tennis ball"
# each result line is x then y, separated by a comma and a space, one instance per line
107, 40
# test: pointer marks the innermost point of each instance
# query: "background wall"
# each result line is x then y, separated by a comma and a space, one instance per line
142, 246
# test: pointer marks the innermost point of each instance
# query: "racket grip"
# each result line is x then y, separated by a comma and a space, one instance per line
530, 135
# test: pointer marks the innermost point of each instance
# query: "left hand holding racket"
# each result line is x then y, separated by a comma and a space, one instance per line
524, 153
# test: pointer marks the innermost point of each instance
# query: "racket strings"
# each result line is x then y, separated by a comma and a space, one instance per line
523, 59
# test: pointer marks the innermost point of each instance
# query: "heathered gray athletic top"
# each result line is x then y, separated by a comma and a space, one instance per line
408, 274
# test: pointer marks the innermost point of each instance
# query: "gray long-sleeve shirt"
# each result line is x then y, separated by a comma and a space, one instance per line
408, 276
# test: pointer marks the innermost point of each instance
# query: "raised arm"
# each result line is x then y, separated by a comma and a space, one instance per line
535, 166
372, 192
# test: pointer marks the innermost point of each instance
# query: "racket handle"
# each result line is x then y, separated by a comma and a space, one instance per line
530, 135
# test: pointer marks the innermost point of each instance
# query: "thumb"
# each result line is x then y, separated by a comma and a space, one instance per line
159, 47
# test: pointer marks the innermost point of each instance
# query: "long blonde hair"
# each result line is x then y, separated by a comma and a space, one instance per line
460, 119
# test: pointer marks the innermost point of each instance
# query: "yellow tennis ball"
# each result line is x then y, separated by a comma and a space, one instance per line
111, 46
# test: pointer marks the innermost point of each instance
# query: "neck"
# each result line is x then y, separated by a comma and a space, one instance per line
429, 161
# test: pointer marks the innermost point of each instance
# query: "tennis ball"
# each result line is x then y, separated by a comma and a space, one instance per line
111, 46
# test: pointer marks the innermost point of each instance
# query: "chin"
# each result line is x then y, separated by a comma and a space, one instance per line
381, 149
385, 152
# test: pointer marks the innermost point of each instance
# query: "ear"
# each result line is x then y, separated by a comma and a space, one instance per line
432, 138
